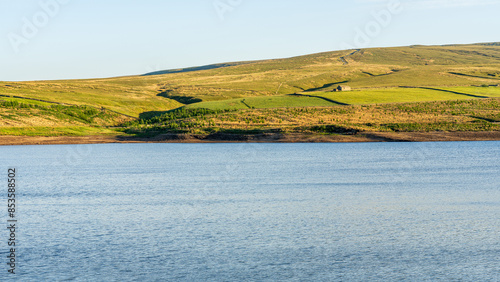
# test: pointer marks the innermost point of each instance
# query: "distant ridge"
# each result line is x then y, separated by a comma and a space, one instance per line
200, 68
490, 44
479, 44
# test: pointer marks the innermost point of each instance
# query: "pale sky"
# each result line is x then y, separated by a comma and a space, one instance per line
65, 39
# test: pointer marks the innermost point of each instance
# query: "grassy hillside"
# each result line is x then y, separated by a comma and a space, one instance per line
30, 117
411, 74
462, 115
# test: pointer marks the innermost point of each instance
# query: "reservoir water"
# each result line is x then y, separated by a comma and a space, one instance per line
255, 212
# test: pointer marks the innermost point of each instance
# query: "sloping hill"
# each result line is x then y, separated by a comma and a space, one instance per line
377, 75
456, 65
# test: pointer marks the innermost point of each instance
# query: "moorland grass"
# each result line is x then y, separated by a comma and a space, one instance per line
253, 91
59, 131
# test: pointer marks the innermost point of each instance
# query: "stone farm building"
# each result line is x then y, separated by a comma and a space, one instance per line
343, 88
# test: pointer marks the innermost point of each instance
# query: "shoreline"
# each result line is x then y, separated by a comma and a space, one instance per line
361, 137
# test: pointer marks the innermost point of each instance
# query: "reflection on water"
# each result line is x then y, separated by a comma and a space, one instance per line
222, 212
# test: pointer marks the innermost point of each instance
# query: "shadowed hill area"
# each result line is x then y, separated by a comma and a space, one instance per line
376, 76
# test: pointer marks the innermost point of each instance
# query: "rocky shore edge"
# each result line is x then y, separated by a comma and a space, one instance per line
260, 138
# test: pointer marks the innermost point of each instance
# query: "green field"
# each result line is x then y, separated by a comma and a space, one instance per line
286, 101
356, 97
377, 76
491, 92
403, 95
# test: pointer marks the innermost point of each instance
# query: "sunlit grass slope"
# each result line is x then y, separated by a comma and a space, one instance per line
456, 115
376, 75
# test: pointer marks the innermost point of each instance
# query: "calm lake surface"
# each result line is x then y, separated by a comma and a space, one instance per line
255, 212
